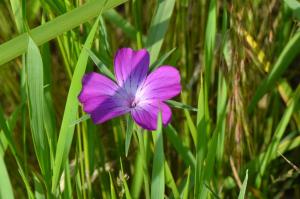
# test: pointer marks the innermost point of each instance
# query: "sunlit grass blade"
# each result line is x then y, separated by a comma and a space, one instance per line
71, 110
112, 188
158, 174
244, 186
101, 66
295, 6
35, 89
287, 55
127, 192
186, 187
158, 28
54, 28
161, 60
6, 190
180, 105
170, 182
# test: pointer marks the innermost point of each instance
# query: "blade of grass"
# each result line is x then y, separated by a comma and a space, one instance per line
158, 174
54, 28
161, 60
6, 190
186, 187
170, 182
244, 186
180, 105
115, 18
71, 110
35, 93
158, 28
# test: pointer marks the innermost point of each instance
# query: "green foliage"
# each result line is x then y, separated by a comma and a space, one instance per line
237, 113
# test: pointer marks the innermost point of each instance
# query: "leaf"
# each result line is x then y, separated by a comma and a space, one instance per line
35, 90
127, 192
71, 111
115, 18
186, 187
129, 129
6, 190
180, 105
158, 174
158, 28
295, 6
244, 186
54, 28
102, 68
112, 188
161, 60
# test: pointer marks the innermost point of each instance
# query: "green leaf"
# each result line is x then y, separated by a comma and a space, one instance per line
115, 18
244, 186
127, 192
6, 190
161, 60
112, 188
158, 28
129, 129
54, 28
102, 68
71, 111
158, 174
35, 89
187, 184
295, 6
181, 105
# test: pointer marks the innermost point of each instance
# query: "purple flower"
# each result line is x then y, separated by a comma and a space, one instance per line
136, 92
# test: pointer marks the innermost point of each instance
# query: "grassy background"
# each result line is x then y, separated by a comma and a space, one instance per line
235, 127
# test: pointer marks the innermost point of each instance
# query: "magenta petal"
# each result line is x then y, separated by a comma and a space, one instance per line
101, 98
163, 84
146, 114
131, 68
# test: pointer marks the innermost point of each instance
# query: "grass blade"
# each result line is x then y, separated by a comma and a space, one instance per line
244, 186
158, 28
71, 110
35, 89
54, 28
158, 174
6, 190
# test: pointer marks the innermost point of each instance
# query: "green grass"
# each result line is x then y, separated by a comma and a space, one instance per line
237, 113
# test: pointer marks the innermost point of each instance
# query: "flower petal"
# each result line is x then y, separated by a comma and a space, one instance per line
131, 68
146, 114
162, 84
101, 98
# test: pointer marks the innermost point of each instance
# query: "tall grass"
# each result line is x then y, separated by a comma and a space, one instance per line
235, 127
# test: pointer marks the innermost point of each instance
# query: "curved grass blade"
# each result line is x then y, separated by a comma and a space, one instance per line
6, 190
161, 60
158, 174
71, 110
181, 105
35, 89
158, 28
244, 186
54, 28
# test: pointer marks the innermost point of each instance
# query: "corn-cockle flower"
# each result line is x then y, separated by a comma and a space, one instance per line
135, 91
